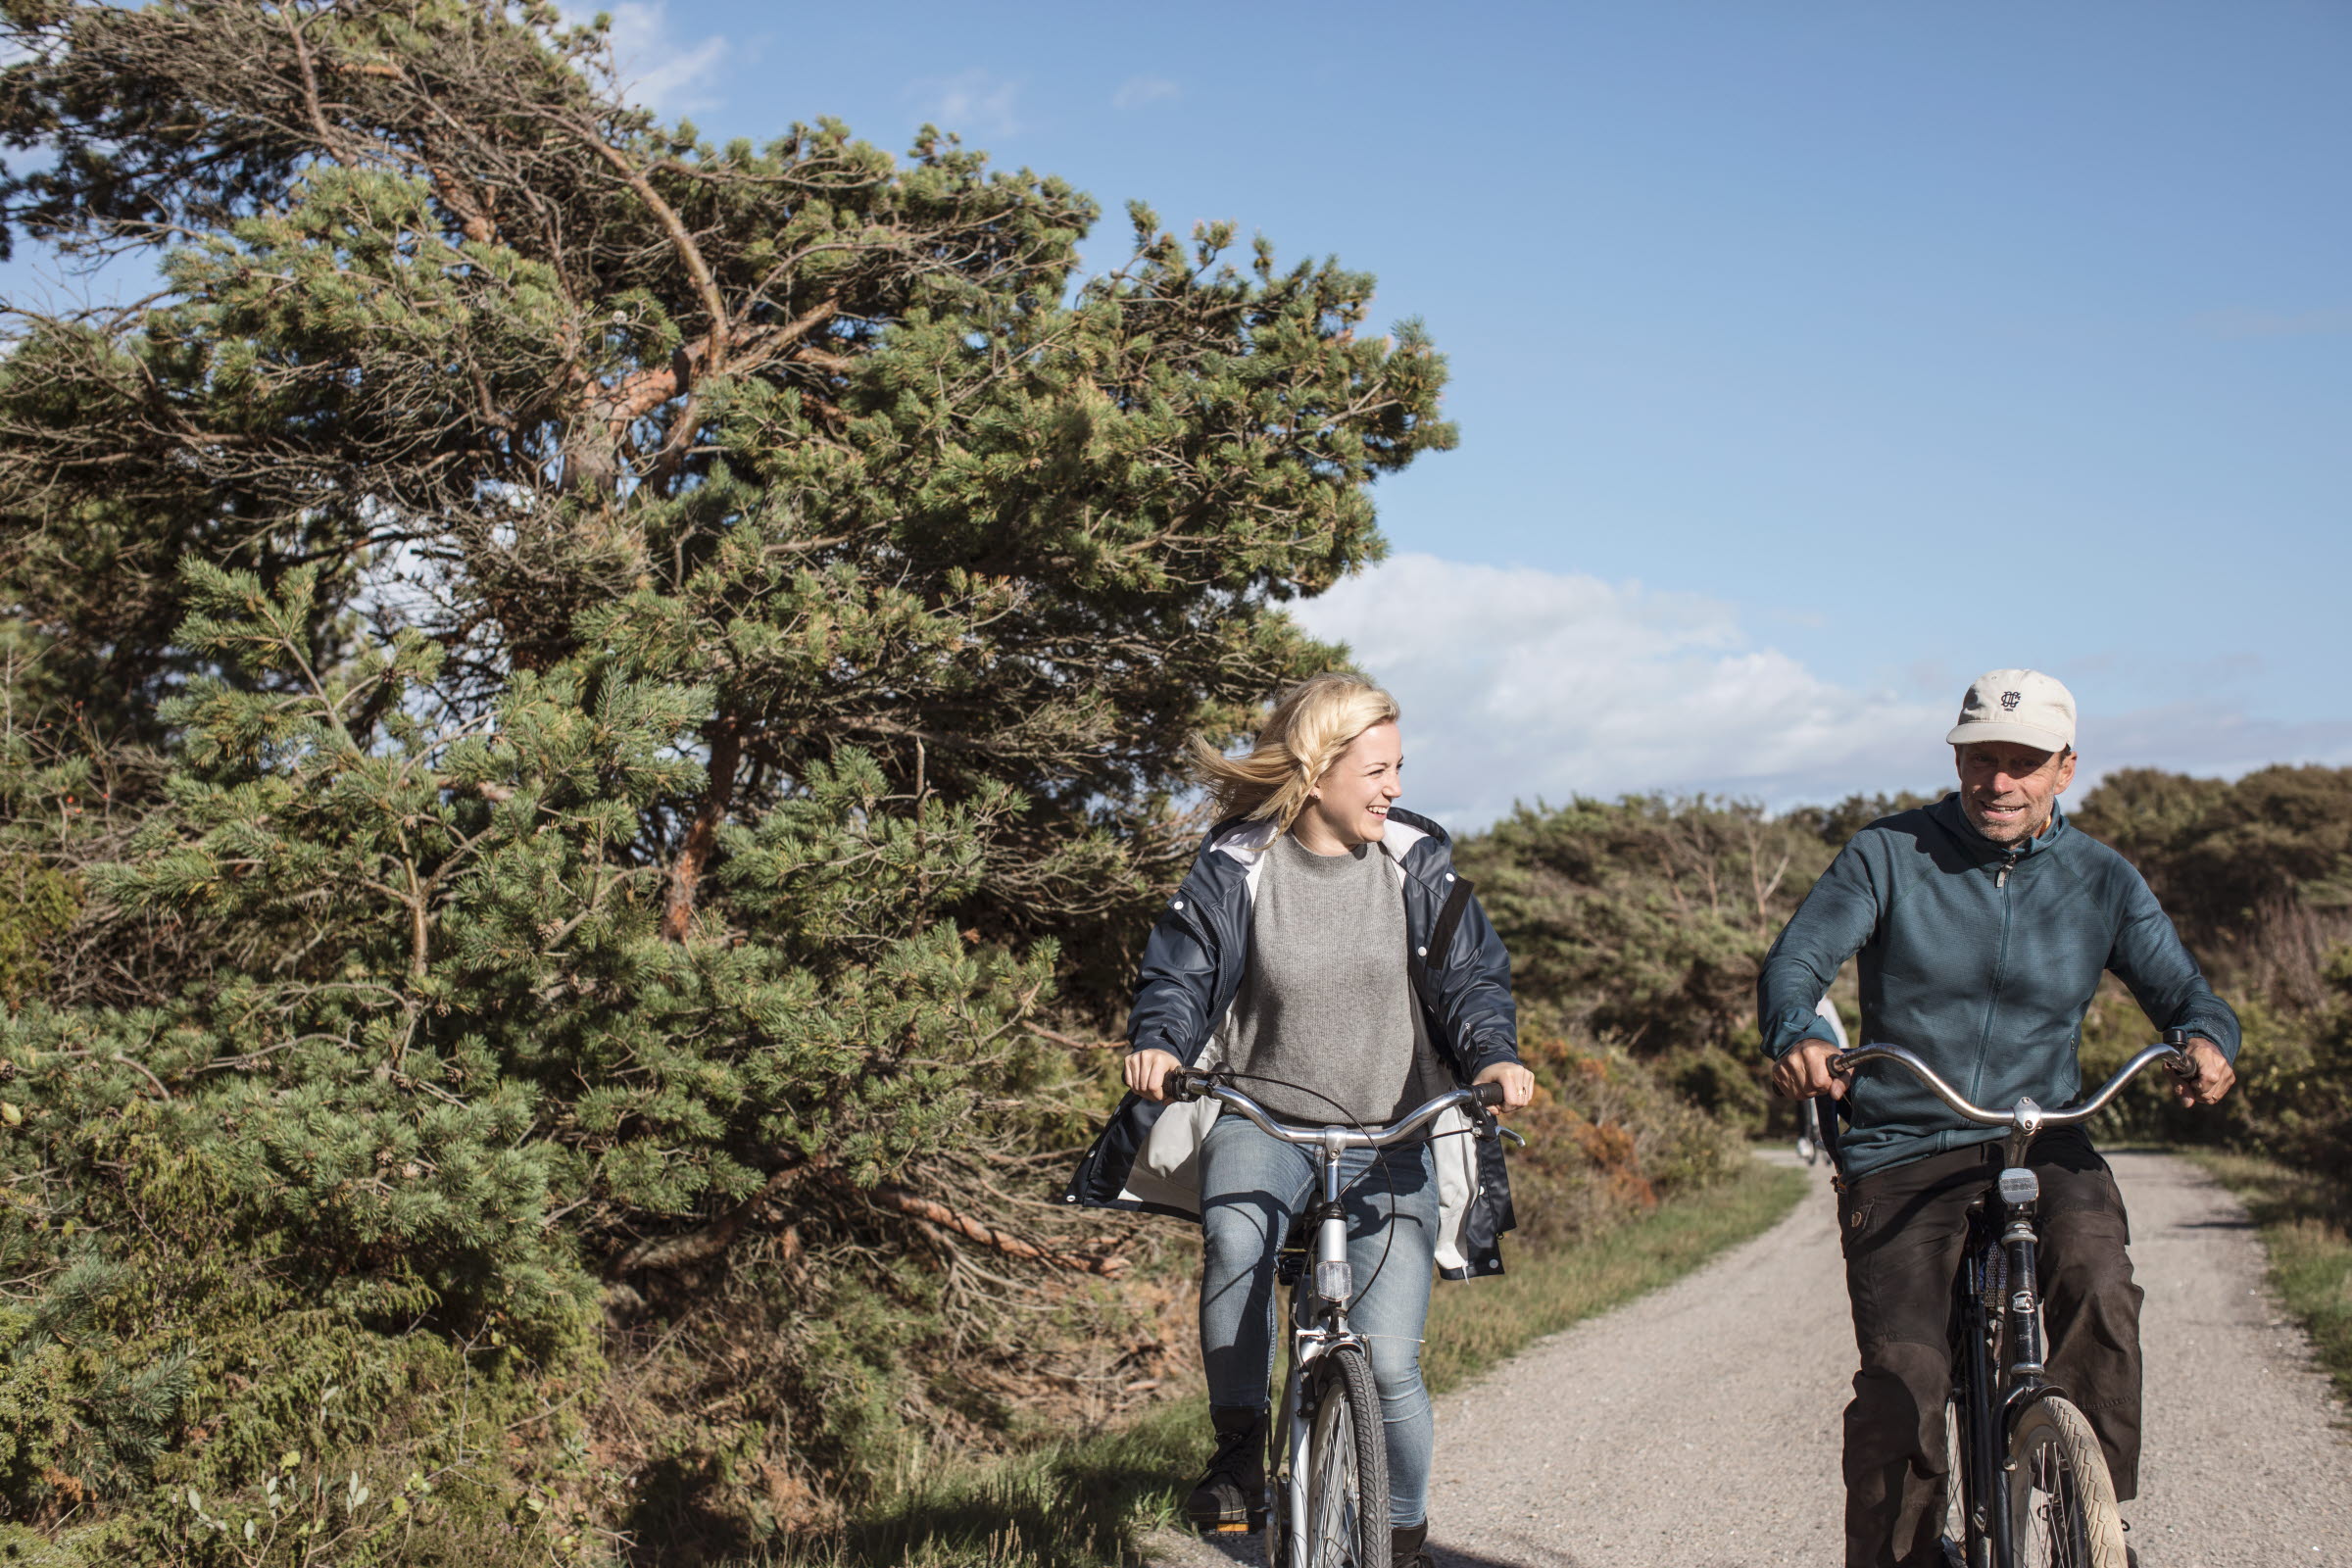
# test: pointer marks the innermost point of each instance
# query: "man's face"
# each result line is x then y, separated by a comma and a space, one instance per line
2006, 789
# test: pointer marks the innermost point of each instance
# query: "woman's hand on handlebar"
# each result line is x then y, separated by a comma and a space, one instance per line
1518, 1084
2214, 1076
1146, 1073
1805, 1072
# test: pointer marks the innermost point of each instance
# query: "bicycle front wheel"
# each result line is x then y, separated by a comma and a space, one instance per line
2062, 1509
1346, 1523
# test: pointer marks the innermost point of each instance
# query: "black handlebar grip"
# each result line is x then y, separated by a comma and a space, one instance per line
1186, 1084
1488, 1095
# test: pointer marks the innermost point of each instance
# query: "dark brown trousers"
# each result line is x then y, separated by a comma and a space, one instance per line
1904, 1230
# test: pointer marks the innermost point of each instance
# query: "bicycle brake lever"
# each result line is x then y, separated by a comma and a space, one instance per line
1500, 1131
1188, 1084
2181, 1064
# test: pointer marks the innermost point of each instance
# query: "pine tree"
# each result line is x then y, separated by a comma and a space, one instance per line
619, 675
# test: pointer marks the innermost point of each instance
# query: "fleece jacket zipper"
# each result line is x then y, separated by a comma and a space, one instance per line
2001, 971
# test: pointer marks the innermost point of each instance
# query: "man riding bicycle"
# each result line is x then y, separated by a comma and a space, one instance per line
1984, 923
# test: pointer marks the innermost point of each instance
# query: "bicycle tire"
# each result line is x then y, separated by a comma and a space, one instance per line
2062, 1508
1346, 1523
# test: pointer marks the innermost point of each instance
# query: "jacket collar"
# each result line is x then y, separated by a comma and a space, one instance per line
1954, 821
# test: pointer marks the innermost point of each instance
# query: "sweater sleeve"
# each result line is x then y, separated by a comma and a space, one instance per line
2149, 958
1830, 927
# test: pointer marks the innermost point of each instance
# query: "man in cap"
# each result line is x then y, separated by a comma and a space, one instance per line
1984, 923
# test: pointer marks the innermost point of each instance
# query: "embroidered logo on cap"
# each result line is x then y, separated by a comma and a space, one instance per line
2009, 701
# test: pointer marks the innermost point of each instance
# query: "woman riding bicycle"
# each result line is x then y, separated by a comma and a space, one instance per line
1324, 951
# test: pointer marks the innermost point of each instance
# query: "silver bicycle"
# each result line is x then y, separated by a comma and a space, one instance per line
2035, 1491
1327, 1474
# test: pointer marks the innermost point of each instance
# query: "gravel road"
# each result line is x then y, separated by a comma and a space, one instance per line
1667, 1433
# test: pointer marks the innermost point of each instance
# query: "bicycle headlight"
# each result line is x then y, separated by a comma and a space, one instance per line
2019, 1185
1334, 1280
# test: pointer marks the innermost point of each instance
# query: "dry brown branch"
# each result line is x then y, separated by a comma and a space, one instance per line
697, 1247
144, 1073
1072, 1041
937, 1213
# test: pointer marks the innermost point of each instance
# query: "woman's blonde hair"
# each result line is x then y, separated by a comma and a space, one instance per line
1311, 724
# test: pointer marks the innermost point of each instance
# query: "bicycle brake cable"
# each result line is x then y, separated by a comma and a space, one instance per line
1387, 1232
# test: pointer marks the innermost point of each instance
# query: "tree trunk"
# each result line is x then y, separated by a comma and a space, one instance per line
726, 751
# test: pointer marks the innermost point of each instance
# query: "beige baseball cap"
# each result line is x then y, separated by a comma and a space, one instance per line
2023, 706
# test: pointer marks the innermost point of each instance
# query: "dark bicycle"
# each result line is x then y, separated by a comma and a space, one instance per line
2035, 1491
1327, 1474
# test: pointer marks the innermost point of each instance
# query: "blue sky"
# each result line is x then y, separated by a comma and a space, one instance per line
1809, 359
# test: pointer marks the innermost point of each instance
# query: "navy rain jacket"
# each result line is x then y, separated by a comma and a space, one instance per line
1147, 1157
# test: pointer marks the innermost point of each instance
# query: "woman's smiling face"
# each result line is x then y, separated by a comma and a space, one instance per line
1351, 803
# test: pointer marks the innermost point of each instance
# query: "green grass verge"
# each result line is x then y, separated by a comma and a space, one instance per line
1084, 1503
2303, 1220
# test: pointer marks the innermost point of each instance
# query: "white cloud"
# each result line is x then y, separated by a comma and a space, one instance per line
657, 69
975, 102
1137, 92
1518, 684
2205, 737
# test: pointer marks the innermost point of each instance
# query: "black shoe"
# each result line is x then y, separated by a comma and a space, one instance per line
1232, 1494
1407, 1547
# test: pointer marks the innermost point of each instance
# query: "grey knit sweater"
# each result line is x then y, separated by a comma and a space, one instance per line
1326, 1002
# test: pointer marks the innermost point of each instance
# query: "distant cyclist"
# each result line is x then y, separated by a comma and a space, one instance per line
1325, 949
1984, 923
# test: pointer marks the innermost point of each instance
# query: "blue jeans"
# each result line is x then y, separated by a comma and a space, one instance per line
1251, 1186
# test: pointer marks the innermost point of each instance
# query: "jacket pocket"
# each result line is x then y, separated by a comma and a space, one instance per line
1854, 1215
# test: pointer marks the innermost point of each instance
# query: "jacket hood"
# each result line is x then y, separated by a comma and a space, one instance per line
1412, 841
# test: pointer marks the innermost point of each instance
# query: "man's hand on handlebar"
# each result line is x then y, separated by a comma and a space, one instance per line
1146, 1073
2214, 1076
1518, 1084
1805, 1072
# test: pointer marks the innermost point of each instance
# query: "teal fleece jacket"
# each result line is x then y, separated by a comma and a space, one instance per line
1981, 960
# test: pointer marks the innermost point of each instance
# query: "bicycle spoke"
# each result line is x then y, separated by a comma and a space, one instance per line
2053, 1535
1332, 1493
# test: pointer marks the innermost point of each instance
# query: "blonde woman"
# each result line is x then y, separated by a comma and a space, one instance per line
1324, 949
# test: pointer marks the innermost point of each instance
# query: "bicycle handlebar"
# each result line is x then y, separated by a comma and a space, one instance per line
2025, 1113
1193, 1083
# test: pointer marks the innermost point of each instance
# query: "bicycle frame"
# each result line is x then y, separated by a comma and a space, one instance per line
1318, 1317
1321, 1289
1997, 1295
1997, 1292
